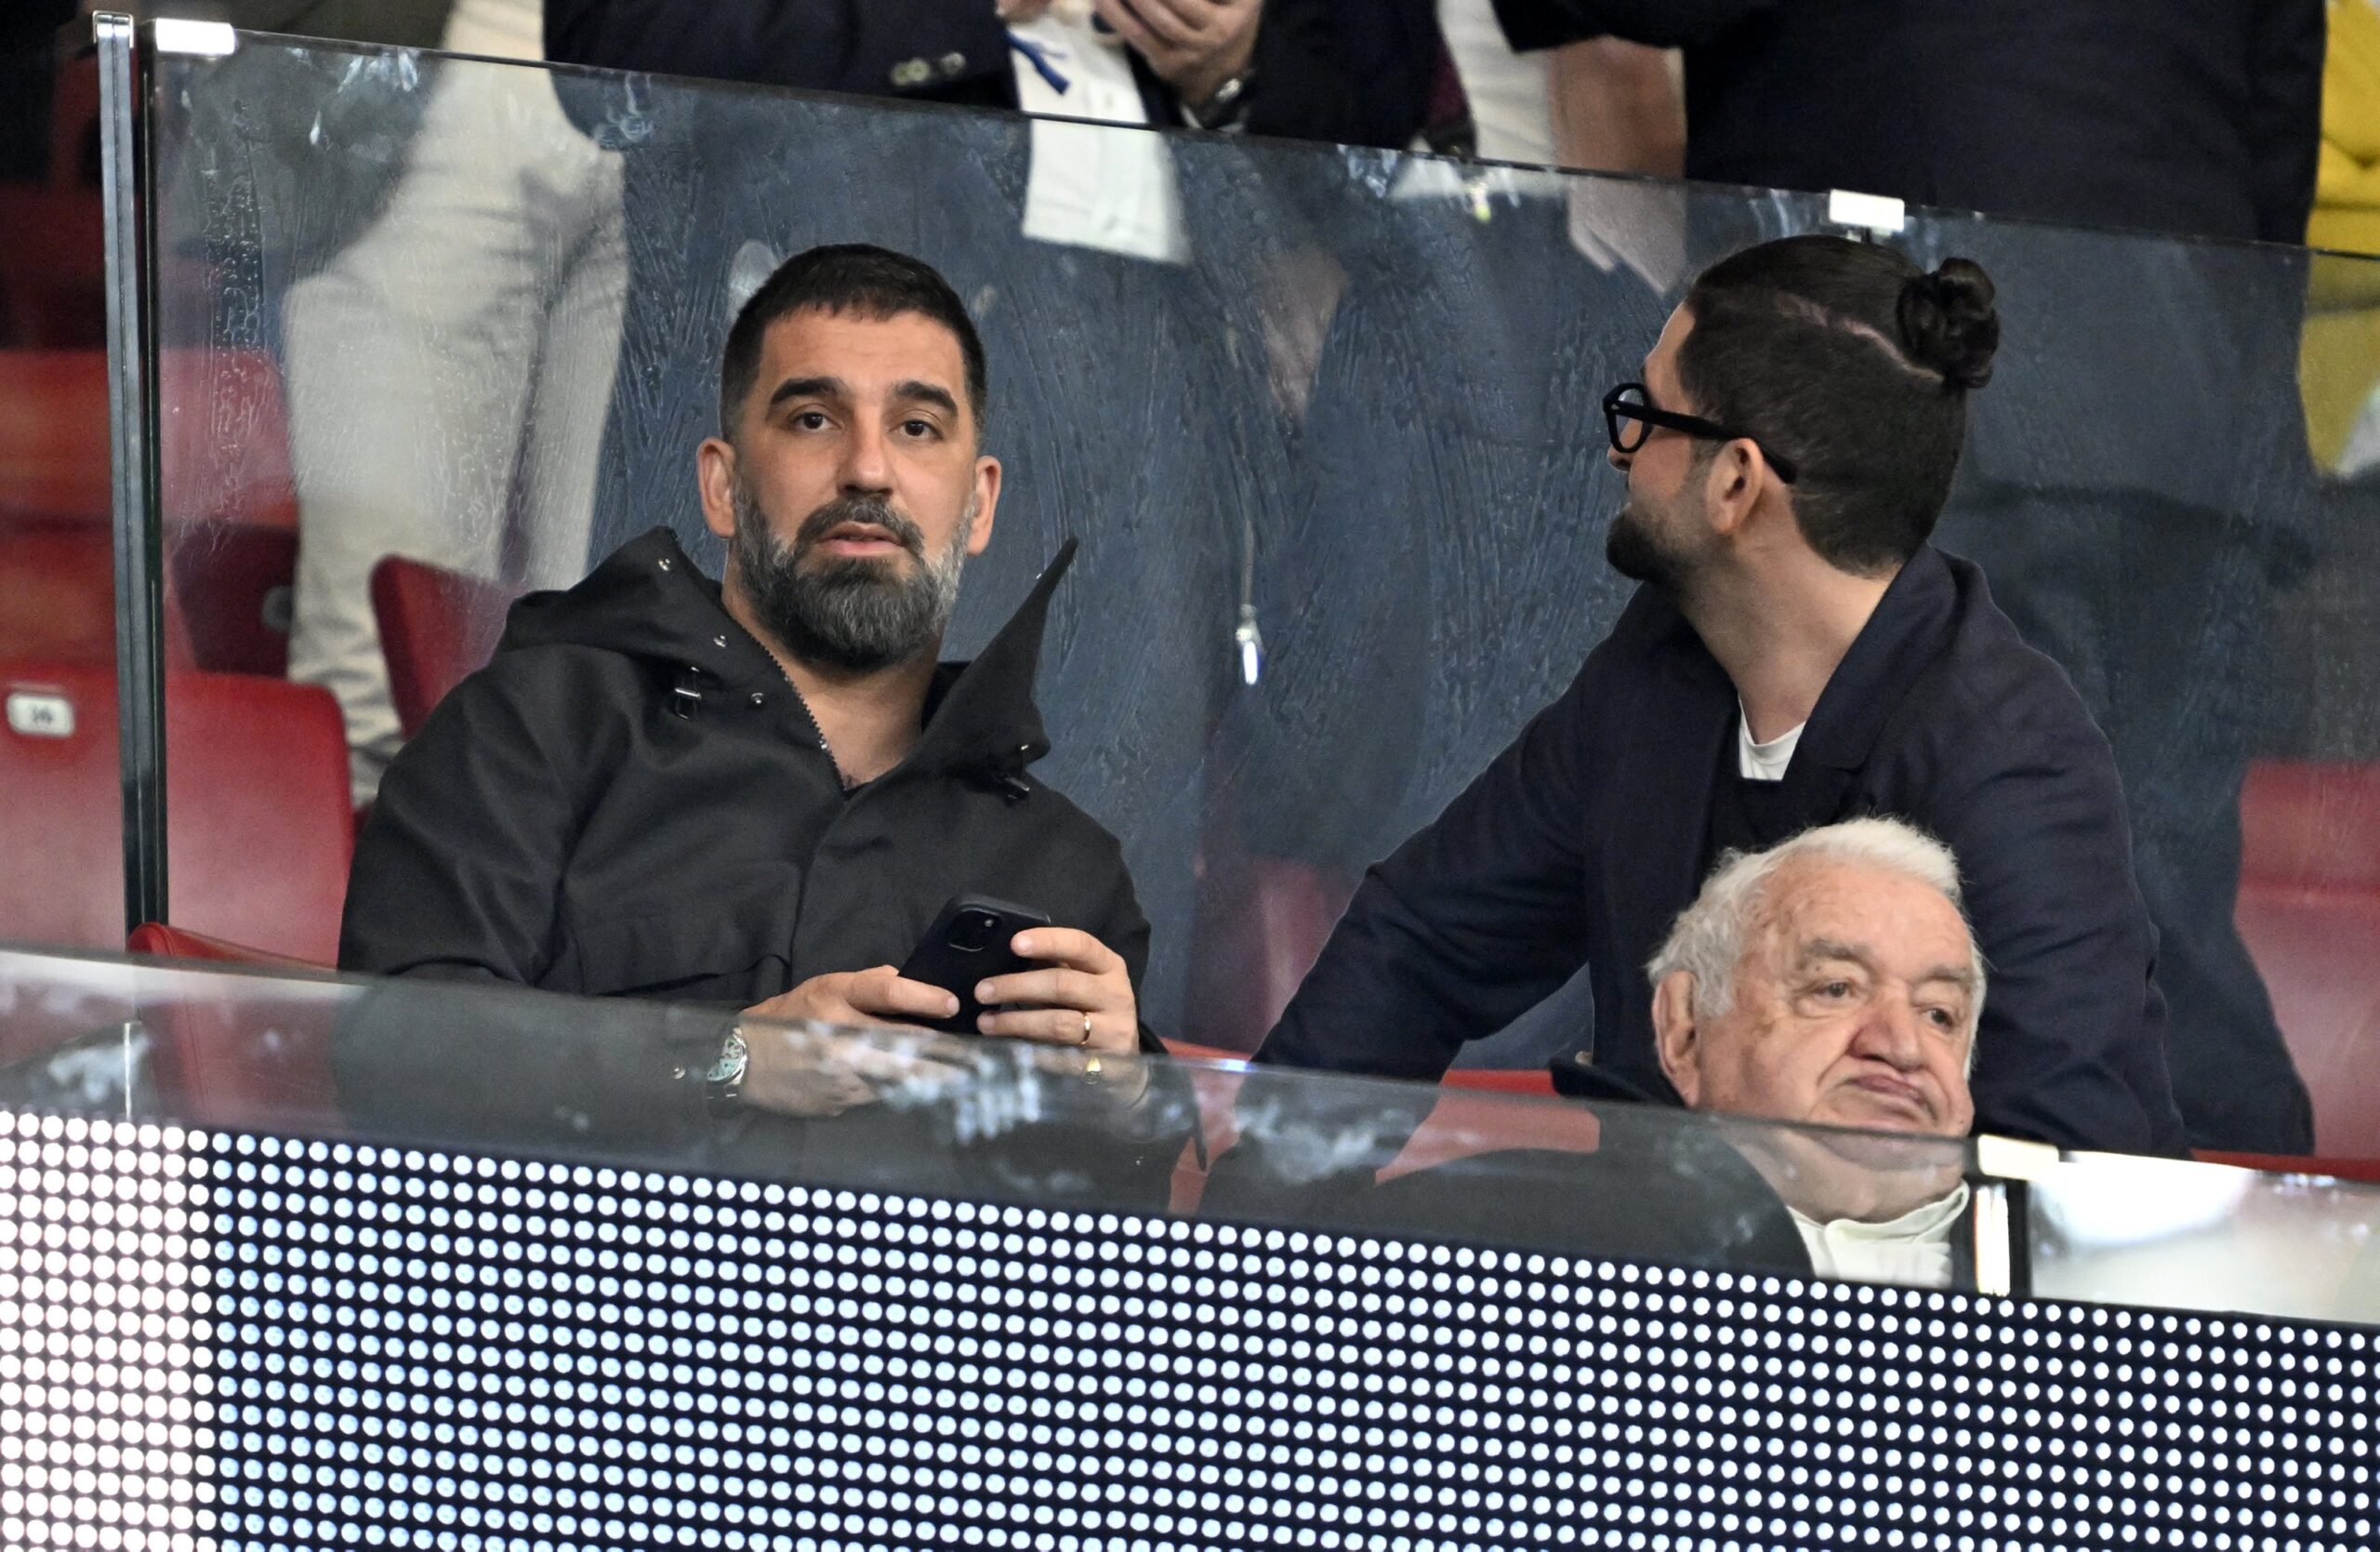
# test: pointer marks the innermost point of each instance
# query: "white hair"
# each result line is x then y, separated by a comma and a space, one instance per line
1707, 940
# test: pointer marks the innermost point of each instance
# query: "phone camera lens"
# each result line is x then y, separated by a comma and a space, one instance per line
973, 930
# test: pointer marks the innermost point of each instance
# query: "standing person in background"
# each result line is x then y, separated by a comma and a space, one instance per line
1602, 104
448, 372
1268, 67
2139, 489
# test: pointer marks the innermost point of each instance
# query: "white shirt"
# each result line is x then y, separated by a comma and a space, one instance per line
1763, 761
1512, 106
1912, 1249
1092, 186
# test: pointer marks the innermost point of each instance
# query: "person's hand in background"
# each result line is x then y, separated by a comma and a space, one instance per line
1194, 46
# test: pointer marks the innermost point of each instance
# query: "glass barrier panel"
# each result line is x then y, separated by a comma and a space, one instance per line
2166, 1235
312, 1262
1323, 420
484, 1067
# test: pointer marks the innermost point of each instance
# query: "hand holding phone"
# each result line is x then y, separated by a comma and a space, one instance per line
969, 944
1017, 975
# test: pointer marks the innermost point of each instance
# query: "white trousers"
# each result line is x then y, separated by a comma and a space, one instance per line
449, 373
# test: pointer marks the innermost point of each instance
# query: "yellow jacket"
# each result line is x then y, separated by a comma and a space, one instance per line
2341, 360
2347, 196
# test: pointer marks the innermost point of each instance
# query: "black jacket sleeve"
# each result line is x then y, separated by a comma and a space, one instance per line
1345, 72
2284, 123
1662, 24
843, 45
1469, 924
2071, 1049
459, 872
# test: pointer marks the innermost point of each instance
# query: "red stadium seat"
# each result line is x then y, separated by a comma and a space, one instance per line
59, 584
53, 267
223, 453
2309, 911
227, 498
259, 827
54, 433
252, 1055
164, 941
233, 584
437, 627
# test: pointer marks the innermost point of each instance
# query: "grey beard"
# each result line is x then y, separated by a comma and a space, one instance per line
843, 613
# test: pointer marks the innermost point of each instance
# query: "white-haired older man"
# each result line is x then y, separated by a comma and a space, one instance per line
1832, 979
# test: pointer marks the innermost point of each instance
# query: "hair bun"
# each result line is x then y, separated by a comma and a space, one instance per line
1948, 323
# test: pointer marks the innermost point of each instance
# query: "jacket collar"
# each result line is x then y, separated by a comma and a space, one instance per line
981, 715
649, 600
1901, 640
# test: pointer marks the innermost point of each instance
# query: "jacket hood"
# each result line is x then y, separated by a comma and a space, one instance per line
648, 600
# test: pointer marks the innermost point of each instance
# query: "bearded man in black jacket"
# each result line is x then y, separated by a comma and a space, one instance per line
760, 794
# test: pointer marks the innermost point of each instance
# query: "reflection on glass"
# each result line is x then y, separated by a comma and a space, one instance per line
2176, 1235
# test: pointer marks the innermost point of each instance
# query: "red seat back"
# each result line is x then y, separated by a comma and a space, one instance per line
259, 827
437, 627
58, 583
2309, 911
54, 433
223, 453
244, 1054
229, 503
53, 267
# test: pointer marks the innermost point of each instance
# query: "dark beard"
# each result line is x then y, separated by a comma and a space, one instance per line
845, 613
1635, 554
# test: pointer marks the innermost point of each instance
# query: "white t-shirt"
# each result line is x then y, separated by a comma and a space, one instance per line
1763, 761
1912, 1249
1511, 105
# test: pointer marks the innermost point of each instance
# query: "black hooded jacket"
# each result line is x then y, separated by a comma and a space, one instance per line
631, 800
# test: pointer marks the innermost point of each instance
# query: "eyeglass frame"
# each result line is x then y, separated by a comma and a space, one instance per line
1643, 412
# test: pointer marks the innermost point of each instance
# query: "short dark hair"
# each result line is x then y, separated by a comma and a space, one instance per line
845, 277
1855, 365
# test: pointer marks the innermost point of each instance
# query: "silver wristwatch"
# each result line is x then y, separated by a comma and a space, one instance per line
724, 1081
1227, 108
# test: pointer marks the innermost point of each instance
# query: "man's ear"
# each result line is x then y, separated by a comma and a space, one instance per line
987, 503
1675, 1036
1731, 487
715, 476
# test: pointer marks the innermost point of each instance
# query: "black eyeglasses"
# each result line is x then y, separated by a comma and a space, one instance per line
1629, 417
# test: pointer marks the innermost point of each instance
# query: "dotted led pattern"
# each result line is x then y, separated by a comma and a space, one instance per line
103, 1332
419, 1349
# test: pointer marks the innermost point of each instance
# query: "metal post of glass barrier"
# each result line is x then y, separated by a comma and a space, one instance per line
132, 419
2001, 1220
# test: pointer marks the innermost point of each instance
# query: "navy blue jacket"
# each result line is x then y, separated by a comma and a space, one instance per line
1352, 72
2200, 117
1588, 836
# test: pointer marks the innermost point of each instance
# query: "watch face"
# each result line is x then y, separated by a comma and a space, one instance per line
732, 1058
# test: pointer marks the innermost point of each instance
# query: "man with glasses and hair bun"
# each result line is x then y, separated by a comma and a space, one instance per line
1799, 655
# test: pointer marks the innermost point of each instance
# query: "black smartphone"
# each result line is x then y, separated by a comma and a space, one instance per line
969, 943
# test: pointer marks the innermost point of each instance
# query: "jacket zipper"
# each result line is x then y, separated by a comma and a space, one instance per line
842, 778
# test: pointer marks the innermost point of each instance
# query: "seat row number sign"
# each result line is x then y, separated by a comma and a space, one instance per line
41, 714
